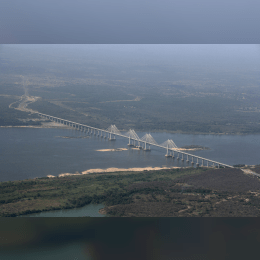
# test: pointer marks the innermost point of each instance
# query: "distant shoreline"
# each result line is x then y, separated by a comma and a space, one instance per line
55, 125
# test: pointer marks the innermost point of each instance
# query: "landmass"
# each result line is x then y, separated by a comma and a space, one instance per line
179, 192
200, 105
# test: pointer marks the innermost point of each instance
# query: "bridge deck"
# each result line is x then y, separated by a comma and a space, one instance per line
124, 136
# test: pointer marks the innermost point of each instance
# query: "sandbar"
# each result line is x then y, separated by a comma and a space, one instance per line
189, 149
112, 150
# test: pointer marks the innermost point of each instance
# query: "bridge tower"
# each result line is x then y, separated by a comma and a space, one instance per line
169, 144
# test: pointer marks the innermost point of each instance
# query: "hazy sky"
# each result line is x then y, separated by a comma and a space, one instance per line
205, 57
129, 21
195, 53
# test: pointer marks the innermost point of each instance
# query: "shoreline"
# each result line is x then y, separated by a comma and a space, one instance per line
159, 131
45, 125
112, 170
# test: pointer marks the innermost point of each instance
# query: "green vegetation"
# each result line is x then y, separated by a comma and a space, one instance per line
158, 113
182, 192
28, 196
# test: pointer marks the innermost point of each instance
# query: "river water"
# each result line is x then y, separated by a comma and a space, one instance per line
27, 153
90, 210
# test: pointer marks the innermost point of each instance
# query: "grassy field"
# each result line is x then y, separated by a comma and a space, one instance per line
176, 192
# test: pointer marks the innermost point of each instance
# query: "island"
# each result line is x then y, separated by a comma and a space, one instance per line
193, 147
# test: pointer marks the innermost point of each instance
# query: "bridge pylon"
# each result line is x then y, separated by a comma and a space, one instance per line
113, 131
169, 144
147, 138
132, 135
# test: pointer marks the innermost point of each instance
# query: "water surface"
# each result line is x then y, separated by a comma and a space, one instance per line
27, 153
90, 210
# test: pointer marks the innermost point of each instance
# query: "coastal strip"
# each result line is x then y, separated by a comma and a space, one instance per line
110, 170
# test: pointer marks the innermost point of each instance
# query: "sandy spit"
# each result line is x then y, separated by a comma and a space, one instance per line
50, 176
109, 170
112, 150
190, 149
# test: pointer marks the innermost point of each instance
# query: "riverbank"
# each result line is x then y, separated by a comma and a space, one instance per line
47, 194
113, 170
43, 125
181, 192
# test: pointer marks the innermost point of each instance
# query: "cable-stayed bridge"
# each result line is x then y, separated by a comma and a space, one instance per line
143, 143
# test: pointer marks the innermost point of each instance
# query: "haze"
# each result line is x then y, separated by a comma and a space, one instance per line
206, 58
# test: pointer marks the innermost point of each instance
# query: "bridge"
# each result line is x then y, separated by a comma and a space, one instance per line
143, 143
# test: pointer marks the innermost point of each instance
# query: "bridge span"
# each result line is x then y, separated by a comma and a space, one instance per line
142, 143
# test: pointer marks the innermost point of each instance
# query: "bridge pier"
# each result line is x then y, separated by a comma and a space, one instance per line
187, 159
197, 164
111, 138
145, 147
129, 143
139, 145
182, 158
178, 158
202, 163
207, 163
172, 154
167, 152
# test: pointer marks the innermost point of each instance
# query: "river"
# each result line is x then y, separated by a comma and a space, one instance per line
90, 210
37, 152
27, 153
